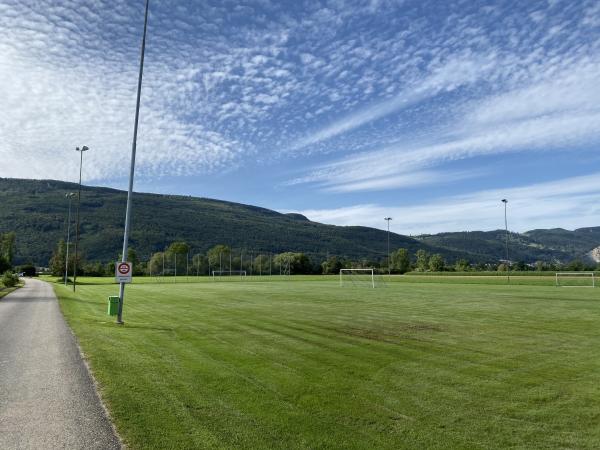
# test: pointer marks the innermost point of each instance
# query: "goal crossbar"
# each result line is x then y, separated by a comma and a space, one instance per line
575, 275
228, 272
366, 271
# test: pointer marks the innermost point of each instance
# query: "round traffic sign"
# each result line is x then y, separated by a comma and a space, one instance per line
124, 268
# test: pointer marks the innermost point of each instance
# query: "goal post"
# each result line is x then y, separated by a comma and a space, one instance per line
575, 279
355, 275
228, 273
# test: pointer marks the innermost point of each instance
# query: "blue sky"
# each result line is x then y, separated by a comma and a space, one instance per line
346, 111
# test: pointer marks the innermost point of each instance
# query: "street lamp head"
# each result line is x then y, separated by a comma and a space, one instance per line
82, 149
504, 200
387, 218
70, 194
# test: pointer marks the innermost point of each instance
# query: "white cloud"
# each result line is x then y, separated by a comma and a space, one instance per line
448, 76
558, 114
568, 203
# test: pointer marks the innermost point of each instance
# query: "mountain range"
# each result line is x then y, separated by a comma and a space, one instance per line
37, 211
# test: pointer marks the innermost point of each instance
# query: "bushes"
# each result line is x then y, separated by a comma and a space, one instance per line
9, 279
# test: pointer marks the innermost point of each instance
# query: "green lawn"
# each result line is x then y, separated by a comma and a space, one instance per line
305, 363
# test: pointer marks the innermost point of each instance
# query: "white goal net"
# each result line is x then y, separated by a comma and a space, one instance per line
228, 273
575, 279
357, 277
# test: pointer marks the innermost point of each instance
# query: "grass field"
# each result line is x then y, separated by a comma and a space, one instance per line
304, 363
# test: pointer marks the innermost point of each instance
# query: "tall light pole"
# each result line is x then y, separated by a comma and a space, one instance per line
80, 150
506, 228
387, 219
70, 196
132, 168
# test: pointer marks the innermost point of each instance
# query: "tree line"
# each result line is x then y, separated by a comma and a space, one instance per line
179, 259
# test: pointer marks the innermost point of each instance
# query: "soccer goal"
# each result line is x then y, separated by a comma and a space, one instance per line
228, 273
357, 277
575, 279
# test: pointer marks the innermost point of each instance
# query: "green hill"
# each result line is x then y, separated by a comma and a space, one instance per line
553, 245
37, 211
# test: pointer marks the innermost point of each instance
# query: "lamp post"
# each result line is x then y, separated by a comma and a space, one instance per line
387, 219
80, 150
132, 167
505, 201
70, 196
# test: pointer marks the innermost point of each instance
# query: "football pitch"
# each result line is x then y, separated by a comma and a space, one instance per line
305, 363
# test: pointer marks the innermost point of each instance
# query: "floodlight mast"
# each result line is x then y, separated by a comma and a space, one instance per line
505, 201
70, 196
80, 150
387, 219
132, 168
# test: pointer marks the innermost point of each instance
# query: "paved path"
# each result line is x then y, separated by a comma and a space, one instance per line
47, 397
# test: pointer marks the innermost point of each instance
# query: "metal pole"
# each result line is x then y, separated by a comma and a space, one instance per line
80, 150
132, 168
70, 197
387, 219
505, 201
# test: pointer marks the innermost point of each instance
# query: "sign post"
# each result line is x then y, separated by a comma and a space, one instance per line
123, 272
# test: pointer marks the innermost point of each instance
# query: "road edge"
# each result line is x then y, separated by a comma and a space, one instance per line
90, 371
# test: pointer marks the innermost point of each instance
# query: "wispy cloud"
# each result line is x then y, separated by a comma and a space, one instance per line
569, 203
558, 114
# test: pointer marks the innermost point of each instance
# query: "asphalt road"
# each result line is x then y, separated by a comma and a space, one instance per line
47, 396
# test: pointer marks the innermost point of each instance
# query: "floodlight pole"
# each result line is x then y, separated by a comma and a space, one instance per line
505, 201
80, 150
132, 168
387, 219
70, 196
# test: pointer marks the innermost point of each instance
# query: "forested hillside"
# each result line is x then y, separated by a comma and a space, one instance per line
37, 210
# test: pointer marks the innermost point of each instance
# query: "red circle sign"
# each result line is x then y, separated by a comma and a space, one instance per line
123, 268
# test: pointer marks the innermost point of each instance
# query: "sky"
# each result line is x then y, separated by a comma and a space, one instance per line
429, 112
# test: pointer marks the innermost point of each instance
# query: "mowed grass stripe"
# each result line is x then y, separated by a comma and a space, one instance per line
307, 364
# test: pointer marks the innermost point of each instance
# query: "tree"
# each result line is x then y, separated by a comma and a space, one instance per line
179, 248
200, 264
436, 263
422, 260
218, 257
132, 256
576, 265
400, 261
7, 247
331, 265
9, 279
28, 270
155, 265
4, 265
298, 263
462, 265
57, 261
261, 264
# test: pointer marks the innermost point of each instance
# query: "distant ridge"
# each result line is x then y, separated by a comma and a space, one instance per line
37, 210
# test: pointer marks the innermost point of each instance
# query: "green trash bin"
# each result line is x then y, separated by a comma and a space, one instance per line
113, 305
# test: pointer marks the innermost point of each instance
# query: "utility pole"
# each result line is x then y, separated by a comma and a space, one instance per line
506, 228
132, 167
